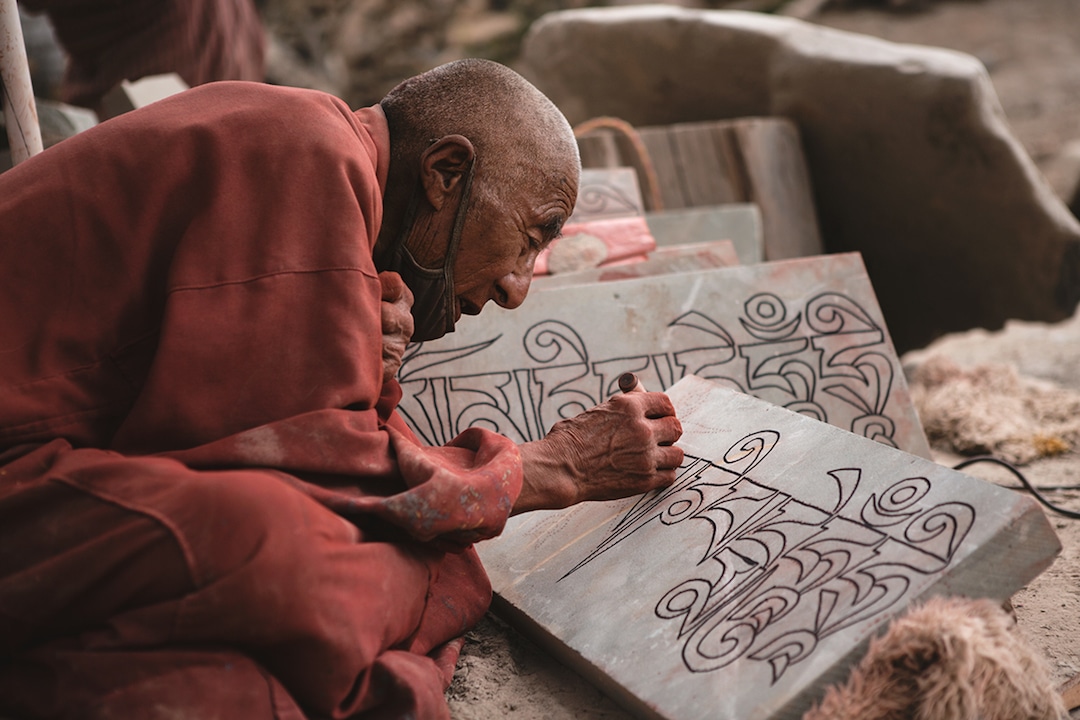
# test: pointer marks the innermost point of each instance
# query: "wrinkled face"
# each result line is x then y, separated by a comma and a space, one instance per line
503, 233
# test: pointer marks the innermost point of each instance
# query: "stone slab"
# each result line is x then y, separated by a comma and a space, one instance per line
605, 193
748, 160
128, 95
805, 333
911, 160
738, 222
751, 584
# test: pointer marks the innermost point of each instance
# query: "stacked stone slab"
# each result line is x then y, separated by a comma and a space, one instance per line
805, 334
751, 584
910, 157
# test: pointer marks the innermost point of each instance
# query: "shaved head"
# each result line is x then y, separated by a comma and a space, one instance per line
484, 171
519, 134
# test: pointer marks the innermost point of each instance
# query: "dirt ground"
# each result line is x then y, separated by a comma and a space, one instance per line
1031, 49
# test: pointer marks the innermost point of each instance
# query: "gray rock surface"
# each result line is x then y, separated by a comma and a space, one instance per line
911, 160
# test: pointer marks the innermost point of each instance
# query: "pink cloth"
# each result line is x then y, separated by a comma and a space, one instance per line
205, 481
599, 243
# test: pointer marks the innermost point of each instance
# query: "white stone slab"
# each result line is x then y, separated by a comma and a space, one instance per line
606, 193
739, 222
752, 583
806, 334
128, 95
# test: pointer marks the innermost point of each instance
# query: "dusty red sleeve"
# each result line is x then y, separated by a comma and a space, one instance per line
197, 282
190, 270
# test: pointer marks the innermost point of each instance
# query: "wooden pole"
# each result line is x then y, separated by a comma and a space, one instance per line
20, 112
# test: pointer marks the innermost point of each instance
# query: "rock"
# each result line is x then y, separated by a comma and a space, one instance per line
1064, 174
910, 158
1062, 171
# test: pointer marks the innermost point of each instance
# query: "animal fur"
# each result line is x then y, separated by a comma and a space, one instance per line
951, 659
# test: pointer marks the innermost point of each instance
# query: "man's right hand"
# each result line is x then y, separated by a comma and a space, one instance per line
397, 322
622, 447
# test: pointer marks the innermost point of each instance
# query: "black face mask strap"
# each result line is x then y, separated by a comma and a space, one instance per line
389, 258
455, 241
394, 253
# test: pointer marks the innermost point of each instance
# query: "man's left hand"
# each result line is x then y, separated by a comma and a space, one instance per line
397, 322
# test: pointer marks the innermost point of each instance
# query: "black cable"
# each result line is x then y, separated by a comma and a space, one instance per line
1072, 514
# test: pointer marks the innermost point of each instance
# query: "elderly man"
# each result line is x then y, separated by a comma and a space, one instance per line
208, 506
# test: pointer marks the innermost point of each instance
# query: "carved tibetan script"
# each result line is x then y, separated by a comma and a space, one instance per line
607, 193
805, 334
743, 589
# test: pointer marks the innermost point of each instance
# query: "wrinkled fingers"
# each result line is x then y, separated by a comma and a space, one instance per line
652, 405
668, 457
394, 288
397, 321
667, 430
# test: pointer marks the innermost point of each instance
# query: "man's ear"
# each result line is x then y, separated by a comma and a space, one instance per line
443, 166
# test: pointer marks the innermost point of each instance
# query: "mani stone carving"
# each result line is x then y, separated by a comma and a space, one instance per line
806, 334
751, 584
910, 158
605, 193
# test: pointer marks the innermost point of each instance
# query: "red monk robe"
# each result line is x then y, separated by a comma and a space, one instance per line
206, 498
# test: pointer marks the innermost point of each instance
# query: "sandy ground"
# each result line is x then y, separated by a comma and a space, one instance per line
1032, 51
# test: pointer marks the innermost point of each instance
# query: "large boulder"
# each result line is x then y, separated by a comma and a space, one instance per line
910, 156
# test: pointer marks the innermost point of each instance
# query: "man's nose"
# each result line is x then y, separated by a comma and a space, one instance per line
511, 289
